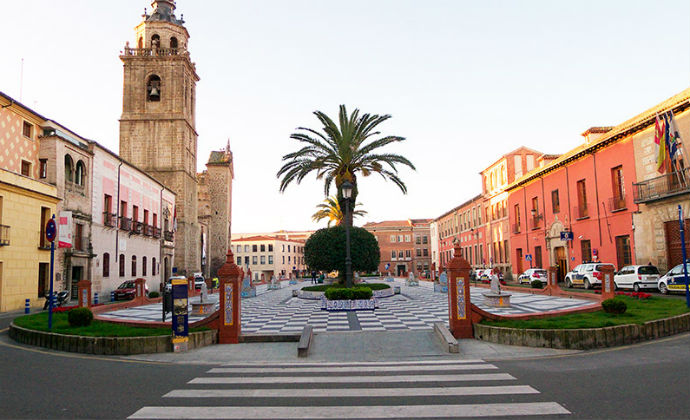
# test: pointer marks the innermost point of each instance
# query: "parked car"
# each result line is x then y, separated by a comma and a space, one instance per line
128, 290
484, 275
587, 275
168, 283
533, 274
198, 281
674, 280
637, 277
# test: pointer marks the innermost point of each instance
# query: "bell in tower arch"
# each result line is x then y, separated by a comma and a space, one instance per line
153, 88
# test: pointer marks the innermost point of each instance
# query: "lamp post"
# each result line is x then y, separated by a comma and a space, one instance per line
346, 189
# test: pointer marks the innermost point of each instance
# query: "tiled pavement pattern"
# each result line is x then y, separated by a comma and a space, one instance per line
400, 390
277, 312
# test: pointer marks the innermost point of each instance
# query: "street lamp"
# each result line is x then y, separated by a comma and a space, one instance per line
346, 190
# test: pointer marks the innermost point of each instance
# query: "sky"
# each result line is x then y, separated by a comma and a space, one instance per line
464, 81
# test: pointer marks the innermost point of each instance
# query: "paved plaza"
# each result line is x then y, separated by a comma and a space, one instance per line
415, 308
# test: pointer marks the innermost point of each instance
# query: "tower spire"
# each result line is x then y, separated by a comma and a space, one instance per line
164, 10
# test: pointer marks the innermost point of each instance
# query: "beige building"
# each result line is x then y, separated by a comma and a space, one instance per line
158, 134
268, 256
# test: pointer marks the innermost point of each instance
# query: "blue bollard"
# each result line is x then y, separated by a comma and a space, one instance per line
95, 298
27, 306
112, 296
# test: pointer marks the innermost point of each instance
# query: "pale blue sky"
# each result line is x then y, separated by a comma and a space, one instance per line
465, 82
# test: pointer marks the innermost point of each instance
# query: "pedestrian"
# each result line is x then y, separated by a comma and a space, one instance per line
313, 277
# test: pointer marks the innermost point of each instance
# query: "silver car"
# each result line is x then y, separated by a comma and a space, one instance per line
637, 277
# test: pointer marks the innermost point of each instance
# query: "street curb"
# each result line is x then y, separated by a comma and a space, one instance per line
107, 345
586, 338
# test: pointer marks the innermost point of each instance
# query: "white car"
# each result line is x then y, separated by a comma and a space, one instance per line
674, 280
637, 277
533, 274
168, 284
588, 275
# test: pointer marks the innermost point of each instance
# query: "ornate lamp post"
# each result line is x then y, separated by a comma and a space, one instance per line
346, 189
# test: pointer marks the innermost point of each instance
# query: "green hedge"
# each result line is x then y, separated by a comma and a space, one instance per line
354, 293
376, 286
324, 287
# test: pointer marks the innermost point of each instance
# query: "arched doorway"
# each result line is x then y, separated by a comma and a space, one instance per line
558, 248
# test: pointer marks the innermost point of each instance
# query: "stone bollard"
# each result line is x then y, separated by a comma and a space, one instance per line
608, 287
84, 293
27, 306
229, 322
459, 304
112, 296
552, 287
95, 298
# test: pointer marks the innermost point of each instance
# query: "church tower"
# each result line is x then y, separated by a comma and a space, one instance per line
157, 127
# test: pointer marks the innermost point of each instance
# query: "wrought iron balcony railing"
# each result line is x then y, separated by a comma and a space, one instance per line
516, 227
617, 203
169, 236
156, 232
580, 212
662, 186
125, 223
148, 230
109, 219
137, 227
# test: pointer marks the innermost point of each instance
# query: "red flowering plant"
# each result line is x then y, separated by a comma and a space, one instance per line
637, 295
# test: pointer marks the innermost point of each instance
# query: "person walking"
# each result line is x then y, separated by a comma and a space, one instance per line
313, 276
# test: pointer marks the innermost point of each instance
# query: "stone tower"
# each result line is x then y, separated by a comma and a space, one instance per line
157, 127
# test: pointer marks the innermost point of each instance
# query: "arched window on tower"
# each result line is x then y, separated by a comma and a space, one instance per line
173, 45
153, 88
155, 42
80, 174
69, 169
140, 43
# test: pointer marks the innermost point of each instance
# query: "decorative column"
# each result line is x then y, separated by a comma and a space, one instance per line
229, 322
459, 305
84, 287
141, 287
608, 287
552, 287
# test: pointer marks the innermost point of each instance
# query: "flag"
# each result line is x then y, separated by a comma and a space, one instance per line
175, 219
674, 135
660, 143
671, 146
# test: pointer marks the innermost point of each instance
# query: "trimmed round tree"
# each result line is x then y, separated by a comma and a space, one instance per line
325, 250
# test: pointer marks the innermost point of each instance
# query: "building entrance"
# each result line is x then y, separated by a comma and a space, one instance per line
561, 262
77, 273
401, 270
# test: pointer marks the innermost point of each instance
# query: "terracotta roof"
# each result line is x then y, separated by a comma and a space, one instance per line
597, 130
256, 238
388, 223
637, 123
471, 200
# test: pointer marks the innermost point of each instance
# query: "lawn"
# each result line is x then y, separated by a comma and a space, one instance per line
639, 311
39, 322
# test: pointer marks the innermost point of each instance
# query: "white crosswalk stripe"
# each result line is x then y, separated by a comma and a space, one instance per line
400, 390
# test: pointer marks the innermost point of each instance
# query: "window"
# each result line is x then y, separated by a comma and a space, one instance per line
173, 43
28, 129
400, 238
123, 209
623, 255
581, 200
134, 265
79, 237
146, 217
153, 88
239, 261
282, 249
392, 238
283, 259
425, 252
135, 213
255, 248
246, 248
400, 255
254, 260
122, 265
417, 239
263, 248
246, 260
80, 174
263, 259
289, 260
517, 218
425, 239
418, 252
537, 257
408, 253
586, 249
155, 220
26, 168
69, 169
555, 202
270, 247
153, 266
393, 255
618, 199
106, 265
45, 215
270, 259
506, 250
288, 248
535, 209
408, 238
143, 266
43, 168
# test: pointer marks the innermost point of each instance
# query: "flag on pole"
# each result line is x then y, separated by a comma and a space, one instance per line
674, 135
660, 143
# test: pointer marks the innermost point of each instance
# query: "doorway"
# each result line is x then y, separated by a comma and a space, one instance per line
401, 268
77, 273
43, 273
561, 262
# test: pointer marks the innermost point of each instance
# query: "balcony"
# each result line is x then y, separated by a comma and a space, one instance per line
661, 187
125, 224
156, 233
516, 227
4, 235
169, 236
109, 219
153, 52
617, 203
75, 188
580, 212
137, 228
148, 230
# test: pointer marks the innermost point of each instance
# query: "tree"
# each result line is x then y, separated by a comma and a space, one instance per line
341, 152
330, 209
325, 250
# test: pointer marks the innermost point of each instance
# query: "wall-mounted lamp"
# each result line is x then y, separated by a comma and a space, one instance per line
536, 215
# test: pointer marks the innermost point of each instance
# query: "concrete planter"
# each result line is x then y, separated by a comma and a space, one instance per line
349, 305
107, 345
583, 339
304, 294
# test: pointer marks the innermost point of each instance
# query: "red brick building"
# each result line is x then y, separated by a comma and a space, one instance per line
404, 244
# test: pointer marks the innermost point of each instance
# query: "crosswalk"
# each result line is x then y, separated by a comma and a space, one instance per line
365, 390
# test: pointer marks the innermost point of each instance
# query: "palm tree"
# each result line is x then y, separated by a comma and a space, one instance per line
341, 151
330, 209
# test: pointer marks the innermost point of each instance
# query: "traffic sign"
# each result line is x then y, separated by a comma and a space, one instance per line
528, 257
566, 236
50, 230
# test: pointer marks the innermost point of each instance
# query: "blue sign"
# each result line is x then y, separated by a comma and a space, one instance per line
388, 265
180, 318
50, 230
566, 236
528, 257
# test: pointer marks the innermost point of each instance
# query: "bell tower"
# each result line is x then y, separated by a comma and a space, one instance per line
157, 126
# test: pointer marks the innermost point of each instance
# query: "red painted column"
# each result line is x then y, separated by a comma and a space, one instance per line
459, 305
552, 287
229, 322
608, 287
84, 293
